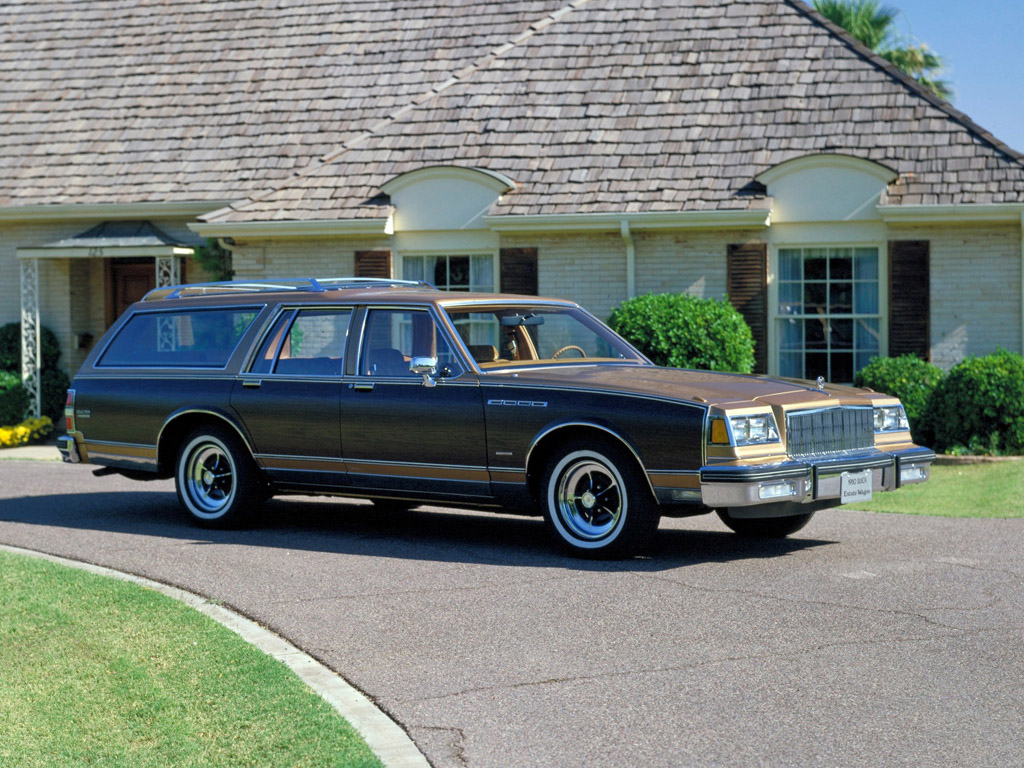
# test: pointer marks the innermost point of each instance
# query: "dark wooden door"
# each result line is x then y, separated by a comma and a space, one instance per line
128, 280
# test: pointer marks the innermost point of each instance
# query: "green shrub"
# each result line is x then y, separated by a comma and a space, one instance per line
13, 399
10, 348
909, 378
684, 331
979, 406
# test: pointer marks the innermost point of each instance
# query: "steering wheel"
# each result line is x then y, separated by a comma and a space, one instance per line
567, 348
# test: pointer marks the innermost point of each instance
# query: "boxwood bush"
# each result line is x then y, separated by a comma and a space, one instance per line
979, 406
53, 382
684, 331
13, 399
909, 378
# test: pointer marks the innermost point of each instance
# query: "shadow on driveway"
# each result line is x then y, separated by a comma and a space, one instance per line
352, 527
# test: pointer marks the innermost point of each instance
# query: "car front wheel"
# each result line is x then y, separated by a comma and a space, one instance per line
217, 482
596, 502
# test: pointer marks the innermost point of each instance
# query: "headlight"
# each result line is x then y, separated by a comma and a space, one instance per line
754, 430
891, 418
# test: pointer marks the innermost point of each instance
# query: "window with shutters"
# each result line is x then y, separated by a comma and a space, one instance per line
469, 272
829, 314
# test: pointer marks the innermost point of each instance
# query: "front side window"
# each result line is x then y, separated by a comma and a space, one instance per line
393, 337
201, 338
502, 336
829, 316
452, 273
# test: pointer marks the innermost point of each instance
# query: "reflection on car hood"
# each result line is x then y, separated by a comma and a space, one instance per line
676, 383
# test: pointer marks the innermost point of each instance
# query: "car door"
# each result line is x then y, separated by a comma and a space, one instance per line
402, 433
289, 397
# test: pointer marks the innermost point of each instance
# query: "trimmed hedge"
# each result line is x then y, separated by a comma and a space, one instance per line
13, 399
979, 406
53, 382
909, 378
684, 331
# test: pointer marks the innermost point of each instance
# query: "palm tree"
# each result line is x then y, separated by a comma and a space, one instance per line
873, 24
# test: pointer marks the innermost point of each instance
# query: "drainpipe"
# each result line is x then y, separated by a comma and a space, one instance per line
627, 238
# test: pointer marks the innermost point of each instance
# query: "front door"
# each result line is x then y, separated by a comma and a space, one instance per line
128, 280
401, 436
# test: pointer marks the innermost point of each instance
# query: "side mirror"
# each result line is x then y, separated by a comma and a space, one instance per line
425, 367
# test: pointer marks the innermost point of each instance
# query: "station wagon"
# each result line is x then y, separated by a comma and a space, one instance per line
404, 394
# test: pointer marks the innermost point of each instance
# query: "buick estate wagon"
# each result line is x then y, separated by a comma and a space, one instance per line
403, 394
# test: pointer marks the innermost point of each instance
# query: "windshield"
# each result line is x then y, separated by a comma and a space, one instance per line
513, 335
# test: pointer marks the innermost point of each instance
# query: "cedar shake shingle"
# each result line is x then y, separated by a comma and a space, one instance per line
303, 110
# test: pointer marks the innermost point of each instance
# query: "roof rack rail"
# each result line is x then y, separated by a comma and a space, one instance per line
303, 284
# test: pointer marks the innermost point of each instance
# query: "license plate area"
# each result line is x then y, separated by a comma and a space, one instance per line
855, 487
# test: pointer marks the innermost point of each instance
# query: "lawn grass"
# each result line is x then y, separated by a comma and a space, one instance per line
963, 490
97, 671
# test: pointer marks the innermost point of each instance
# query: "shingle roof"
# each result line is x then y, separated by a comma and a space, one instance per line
591, 106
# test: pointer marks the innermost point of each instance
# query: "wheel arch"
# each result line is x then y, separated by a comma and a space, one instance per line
547, 441
180, 423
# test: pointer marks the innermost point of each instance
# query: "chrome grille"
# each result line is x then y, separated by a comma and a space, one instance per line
829, 431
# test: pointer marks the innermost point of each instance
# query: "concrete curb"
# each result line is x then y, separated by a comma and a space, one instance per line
384, 736
37, 452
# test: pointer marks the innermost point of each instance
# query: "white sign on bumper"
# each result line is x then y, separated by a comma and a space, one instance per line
855, 487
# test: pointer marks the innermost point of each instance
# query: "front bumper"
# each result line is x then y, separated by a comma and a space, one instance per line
814, 480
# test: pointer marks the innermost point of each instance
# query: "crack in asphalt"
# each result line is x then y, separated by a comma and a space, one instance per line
457, 744
701, 664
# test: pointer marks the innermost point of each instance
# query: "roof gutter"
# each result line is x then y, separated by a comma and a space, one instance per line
613, 222
312, 228
951, 214
109, 211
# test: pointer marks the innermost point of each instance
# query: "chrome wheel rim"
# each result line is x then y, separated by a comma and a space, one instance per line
589, 499
210, 479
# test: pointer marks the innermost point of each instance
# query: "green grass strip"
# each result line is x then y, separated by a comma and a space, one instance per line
95, 671
965, 490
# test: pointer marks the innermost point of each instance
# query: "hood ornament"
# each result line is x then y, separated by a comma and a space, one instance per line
821, 383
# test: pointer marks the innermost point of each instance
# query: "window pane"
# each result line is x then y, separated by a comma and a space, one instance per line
393, 337
791, 364
865, 264
865, 298
792, 335
412, 268
789, 299
458, 273
315, 344
814, 334
193, 339
815, 264
264, 359
790, 264
868, 338
840, 266
840, 298
482, 273
842, 367
841, 335
816, 364
814, 298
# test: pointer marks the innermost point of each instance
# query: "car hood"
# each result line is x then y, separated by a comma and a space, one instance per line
705, 387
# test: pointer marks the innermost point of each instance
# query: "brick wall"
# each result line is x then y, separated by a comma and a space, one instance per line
296, 257
975, 288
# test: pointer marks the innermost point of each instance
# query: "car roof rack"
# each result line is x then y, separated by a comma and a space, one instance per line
303, 284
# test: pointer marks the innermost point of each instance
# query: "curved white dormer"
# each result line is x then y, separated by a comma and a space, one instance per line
444, 197
826, 188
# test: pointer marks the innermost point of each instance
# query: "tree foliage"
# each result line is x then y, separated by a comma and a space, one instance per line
873, 24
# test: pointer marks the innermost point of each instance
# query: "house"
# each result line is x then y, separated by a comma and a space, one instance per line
593, 149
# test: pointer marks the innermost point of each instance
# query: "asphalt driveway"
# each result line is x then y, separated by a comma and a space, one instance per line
864, 640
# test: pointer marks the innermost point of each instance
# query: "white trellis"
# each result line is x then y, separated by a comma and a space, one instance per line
30, 333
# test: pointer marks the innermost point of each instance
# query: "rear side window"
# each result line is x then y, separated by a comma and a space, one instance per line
198, 338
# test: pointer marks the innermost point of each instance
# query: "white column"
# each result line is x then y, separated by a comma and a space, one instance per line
168, 271
30, 333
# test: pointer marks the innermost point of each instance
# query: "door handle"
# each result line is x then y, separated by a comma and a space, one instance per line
252, 383
363, 387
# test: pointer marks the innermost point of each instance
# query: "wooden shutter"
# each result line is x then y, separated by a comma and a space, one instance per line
909, 298
519, 271
747, 281
373, 264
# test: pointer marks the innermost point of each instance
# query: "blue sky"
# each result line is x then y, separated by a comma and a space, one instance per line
981, 44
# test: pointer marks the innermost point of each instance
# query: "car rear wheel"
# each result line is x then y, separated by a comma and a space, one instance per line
596, 502
765, 527
217, 481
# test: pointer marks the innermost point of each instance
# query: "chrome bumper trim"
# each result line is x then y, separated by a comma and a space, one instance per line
68, 449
